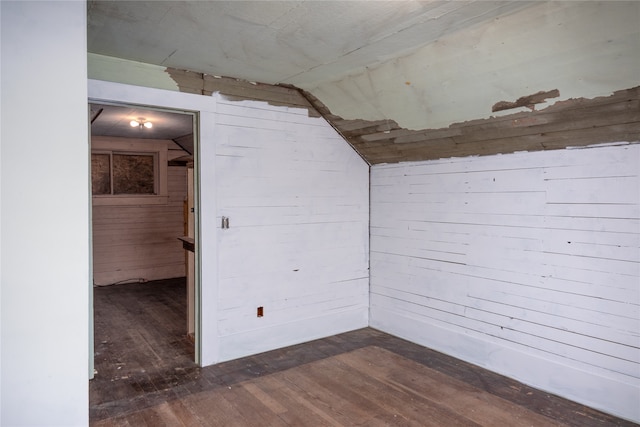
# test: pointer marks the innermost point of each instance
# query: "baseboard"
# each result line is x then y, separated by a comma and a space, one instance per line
588, 388
283, 335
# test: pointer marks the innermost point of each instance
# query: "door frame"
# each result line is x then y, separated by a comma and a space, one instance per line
203, 110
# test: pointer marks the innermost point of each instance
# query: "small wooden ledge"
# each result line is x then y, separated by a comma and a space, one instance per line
188, 243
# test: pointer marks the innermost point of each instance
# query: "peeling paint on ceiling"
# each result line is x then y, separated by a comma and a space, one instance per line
421, 64
584, 49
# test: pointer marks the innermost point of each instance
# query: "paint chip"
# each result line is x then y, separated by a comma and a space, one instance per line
526, 101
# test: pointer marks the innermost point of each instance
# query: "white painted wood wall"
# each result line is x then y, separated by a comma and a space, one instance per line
527, 264
140, 242
44, 201
297, 200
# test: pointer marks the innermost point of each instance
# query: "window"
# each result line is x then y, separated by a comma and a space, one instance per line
100, 173
128, 171
123, 173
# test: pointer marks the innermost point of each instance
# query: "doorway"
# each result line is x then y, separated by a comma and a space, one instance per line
144, 239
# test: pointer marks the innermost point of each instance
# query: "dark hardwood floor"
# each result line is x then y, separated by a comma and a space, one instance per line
146, 376
141, 346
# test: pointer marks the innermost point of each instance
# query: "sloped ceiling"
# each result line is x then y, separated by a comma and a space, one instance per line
296, 42
414, 65
309, 44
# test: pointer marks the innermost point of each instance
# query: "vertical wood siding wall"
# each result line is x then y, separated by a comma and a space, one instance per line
297, 200
141, 242
527, 264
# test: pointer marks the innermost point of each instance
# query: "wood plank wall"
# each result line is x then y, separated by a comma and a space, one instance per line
570, 123
296, 196
139, 243
527, 264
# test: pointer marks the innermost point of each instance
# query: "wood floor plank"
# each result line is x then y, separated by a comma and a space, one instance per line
186, 417
379, 397
337, 404
138, 419
212, 412
310, 408
112, 422
271, 403
295, 413
165, 414
253, 410
477, 405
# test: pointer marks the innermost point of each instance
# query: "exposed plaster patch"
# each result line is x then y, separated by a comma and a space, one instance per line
238, 89
584, 49
528, 101
570, 123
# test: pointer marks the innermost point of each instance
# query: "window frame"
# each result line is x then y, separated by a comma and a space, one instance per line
154, 147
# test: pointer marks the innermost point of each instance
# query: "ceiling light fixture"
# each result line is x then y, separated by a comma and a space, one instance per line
140, 123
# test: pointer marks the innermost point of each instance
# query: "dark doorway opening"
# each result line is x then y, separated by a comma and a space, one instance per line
144, 280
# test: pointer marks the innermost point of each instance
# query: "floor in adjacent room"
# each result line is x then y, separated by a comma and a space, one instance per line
146, 376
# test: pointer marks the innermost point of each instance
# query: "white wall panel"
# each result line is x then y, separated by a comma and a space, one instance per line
45, 215
527, 264
297, 198
298, 244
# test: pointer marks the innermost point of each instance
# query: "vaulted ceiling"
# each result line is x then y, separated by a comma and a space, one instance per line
403, 66
296, 42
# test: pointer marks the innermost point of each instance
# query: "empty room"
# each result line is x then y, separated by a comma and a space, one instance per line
320, 213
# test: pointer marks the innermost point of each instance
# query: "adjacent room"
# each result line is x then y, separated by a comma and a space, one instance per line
143, 235
320, 213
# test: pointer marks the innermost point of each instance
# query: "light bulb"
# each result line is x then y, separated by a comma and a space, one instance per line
148, 125
134, 124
